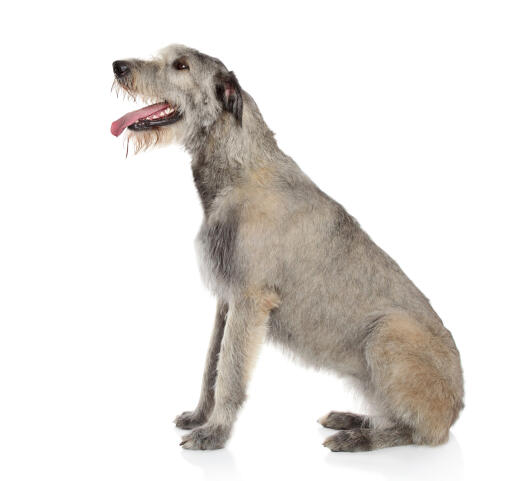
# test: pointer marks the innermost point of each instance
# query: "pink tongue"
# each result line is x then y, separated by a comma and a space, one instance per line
130, 118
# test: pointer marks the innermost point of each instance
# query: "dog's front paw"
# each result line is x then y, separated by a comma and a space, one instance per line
190, 420
206, 437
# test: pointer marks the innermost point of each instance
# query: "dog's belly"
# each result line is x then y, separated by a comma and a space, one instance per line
318, 344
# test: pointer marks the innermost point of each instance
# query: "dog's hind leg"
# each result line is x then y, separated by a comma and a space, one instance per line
415, 378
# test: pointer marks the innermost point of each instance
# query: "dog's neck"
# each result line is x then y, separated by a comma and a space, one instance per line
228, 152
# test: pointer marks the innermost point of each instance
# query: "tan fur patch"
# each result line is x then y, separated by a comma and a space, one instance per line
261, 175
265, 299
261, 209
405, 358
270, 301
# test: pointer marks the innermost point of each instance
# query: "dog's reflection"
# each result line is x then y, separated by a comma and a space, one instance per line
217, 464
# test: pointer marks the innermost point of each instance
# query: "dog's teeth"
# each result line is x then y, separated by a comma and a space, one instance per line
158, 115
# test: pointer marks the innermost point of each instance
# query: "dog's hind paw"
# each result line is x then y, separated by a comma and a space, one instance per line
349, 440
341, 420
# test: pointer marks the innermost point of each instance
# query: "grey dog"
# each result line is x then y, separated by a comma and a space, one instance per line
288, 264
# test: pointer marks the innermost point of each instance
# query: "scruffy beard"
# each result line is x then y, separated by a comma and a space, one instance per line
140, 141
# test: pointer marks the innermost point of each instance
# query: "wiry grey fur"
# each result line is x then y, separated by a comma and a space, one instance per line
289, 264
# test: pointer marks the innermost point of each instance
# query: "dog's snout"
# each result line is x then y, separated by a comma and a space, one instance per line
121, 68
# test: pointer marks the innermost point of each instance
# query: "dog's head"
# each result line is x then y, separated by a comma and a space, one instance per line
187, 92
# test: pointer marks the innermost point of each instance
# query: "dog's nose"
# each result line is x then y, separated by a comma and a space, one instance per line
121, 68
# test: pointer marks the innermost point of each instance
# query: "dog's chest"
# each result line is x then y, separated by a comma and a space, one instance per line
216, 251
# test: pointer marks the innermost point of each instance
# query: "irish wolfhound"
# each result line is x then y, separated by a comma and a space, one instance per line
289, 264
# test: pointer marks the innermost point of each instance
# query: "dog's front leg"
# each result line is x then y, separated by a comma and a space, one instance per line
197, 417
244, 332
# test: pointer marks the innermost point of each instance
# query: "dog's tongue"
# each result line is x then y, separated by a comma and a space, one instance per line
130, 118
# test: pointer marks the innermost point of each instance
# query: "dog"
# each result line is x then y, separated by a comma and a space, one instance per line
289, 265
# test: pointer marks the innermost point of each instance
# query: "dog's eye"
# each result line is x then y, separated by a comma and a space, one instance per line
180, 65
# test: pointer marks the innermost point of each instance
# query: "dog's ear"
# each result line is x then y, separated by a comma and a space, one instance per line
228, 92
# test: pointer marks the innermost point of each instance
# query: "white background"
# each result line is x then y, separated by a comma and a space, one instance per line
401, 110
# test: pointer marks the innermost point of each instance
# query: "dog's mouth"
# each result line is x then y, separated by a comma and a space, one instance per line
150, 117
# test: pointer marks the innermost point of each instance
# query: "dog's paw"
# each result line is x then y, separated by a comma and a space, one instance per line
206, 437
189, 420
337, 420
350, 440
